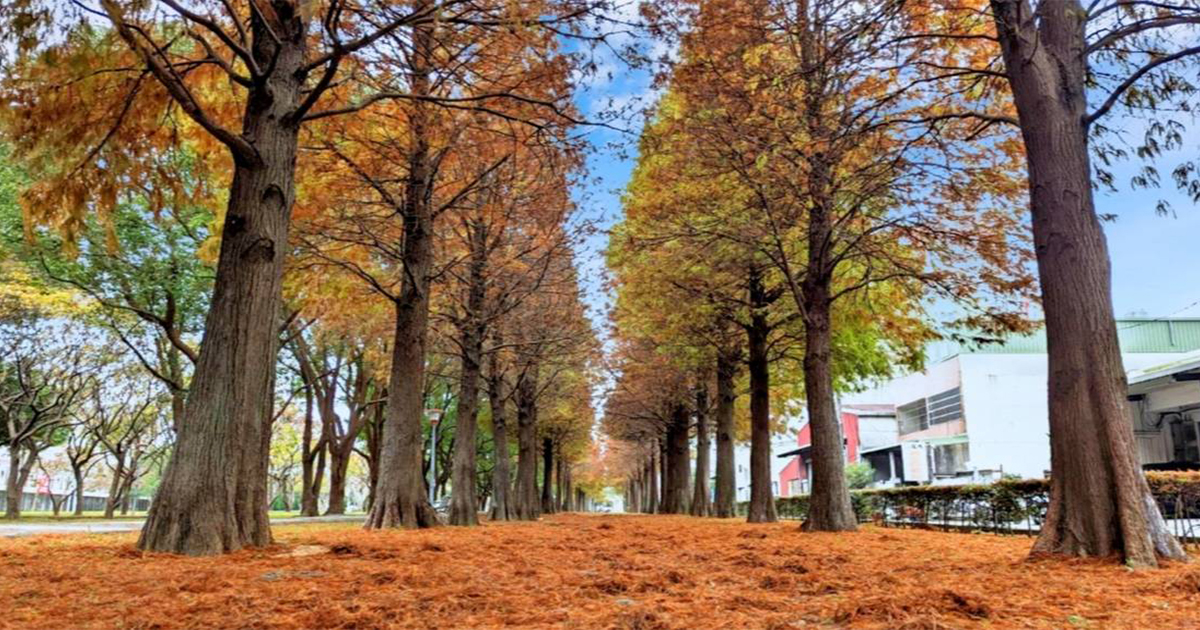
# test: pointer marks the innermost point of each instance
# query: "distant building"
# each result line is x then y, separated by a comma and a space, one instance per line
1164, 405
741, 460
41, 488
865, 429
978, 413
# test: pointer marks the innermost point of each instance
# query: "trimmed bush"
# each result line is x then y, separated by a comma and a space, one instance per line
1006, 506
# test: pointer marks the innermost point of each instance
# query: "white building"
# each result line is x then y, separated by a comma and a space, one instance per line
781, 442
979, 413
1164, 405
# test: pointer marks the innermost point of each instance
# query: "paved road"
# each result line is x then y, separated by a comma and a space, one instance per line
111, 527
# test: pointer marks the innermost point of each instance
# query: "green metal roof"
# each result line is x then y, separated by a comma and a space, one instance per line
1137, 335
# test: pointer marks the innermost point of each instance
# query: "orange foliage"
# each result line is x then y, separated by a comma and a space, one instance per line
575, 571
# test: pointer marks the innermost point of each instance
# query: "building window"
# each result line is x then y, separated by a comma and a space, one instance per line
945, 407
923, 413
1183, 439
913, 417
950, 459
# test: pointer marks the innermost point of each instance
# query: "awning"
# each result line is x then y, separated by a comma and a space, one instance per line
1186, 362
878, 449
803, 450
943, 441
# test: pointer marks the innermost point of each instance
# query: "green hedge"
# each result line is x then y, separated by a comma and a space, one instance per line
1007, 505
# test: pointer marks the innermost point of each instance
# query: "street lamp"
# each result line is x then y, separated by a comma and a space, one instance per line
434, 416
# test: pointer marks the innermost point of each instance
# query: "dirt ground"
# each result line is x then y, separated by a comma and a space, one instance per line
587, 572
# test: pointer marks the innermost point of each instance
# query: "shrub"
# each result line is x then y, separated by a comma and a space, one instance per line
1008, 505
859, 475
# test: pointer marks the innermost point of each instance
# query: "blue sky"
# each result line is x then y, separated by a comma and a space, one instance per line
1155, 258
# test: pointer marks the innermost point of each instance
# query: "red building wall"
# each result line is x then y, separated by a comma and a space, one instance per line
796, 470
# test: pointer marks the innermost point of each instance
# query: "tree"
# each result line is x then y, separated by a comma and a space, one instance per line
1070, 68
403, 169
126, 423
856, 220
280, 66
548, 341
1100, 503
285, 455
152, 292
336, 373
82, 453
40, 383
651, 405
506, 233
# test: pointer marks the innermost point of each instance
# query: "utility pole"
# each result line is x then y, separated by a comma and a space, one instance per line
434, 416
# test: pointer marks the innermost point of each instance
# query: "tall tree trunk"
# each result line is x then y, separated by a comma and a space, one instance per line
463, 507
374, 435
633, 497
548, 476
312, 461
830, 509
558, 481
667, 501
312, 500
1100, 503
762, 503
564, 470
701, 505
77, 471
726, 490
13, 490
501, 477
212, 497
114, 487
526, 495
339, 465
400, 498
127, 492
678, 464
829, 504
651, 505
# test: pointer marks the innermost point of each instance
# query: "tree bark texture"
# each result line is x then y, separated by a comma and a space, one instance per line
1100, 503
701, 504
400, 498
528, 505
651, 479
724, 499
502, 509
463, 505
77, 471
548, 476
213, 494
762, 502
678, 463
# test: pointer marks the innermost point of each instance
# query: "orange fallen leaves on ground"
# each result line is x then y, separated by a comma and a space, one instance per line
588, 572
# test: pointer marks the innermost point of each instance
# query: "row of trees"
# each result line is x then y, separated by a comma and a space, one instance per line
783, 199
397, 203
72, 408
824, 186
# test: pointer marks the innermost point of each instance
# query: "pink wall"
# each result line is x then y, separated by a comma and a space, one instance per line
795, 472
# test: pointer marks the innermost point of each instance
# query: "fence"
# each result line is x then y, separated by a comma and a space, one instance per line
1003, 507
40, 502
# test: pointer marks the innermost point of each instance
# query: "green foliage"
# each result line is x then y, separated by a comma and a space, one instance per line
859, 475
139, 272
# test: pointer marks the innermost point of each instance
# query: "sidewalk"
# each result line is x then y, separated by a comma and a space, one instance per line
13, 530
